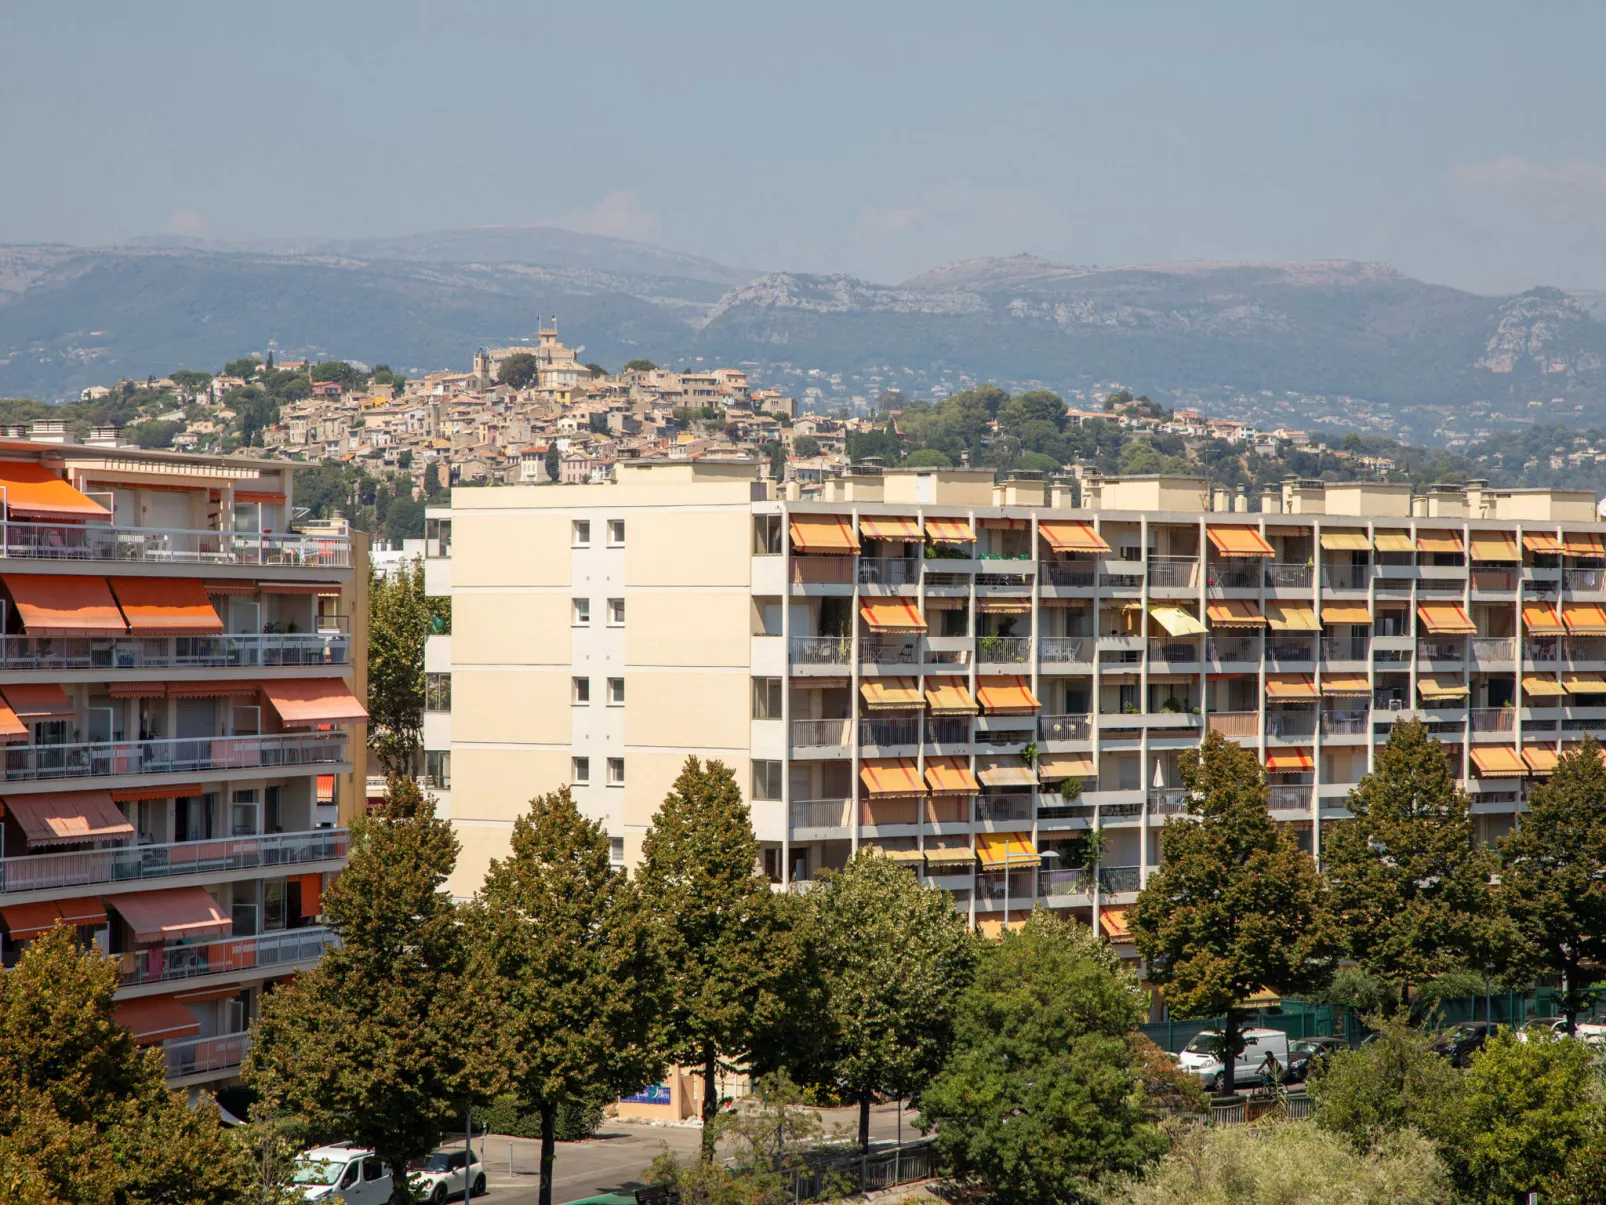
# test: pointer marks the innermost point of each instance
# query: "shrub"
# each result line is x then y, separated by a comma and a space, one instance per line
508, 1115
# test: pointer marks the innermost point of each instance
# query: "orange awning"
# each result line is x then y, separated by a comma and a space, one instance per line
1006, 696
1541, 543
172, 914
1345, 684
210, 690
1290, 686
302, 701
311, 894
244, 587
950, 531
60, 604
166, 606
890, 694
1498, 761
1234, 613
30, 920
1071, 536
892, 615
1391, 541
1287, 616
950, 776
1239, 541
137, 690
154, 1019
824, 533
1582, 543
258, 496
1052, 767
184, 790
1438, 541
1001, 850
11, 728
1539, 685
1495, 546
1584, 619
884, 527
35, 701
1285, 761
1113, 922
1445, 619
68, 817
1007, 772
890, 777
1540, 617
1540, 758
31, 491
1429, 686
1346, 612
949, 696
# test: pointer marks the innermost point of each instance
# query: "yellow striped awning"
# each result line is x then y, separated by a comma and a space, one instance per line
1541, 759
1290, 686
1431, 687
949, 696
1392, 541
1291, 617
1345, 684
1006, 696
1583, 684
1445, 619
1584, 619
1346, 612
1114, 923
1234, 613
1290, 761
1542, 543
1495, 546
1438, 541
892, 615
888, 527
1346, 541
831, 534
1052, 767
890, 777
1004, 606
1539, 685
1007, 772
1498, 761
1540, 617
1071, 536
1239, 541
890, 694
950, 776
1582, 543
998, 850
1177, 621
950, 531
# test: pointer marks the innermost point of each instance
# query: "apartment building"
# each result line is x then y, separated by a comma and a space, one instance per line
931, 663
180, 731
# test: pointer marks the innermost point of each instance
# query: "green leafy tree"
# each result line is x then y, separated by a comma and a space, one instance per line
190, 381
1235, 907
1392, 1083
640, 366
596, 370
86, 1117
387, 1042
1408, 878
245, 367
805, 445
1039, 1099
563, 949
432, 480
404, 520
518, 370
349, 376
893, 956
715, 929
554, 462
398, 624
1553, 877
1583, 1180
927, 458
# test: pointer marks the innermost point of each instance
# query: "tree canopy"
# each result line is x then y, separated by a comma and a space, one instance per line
518, 370
398, 624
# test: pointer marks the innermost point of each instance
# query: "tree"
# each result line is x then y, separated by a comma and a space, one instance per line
1039, 1099
596, 370
1553, 876
927, 458
386, 1042
518, 370
714, 927
554, 462
398, 624
404, 520
805, 445
1234, 907
893, 956
1408, 878
1393, 1082
432, 479
641, 366
245, 367
349, 376
562, 947
189, 381
86, 1117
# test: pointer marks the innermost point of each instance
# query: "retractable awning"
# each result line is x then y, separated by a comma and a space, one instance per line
890, 694
60, 604
1239, 541
137, 690
1445, 619
1286, 761
1495, 546
1438, 541
12, 729
67, 817
888, 527
999, 850
1290, 686
24, 921
182, 790
1234, 613
172, 914
1541, 543
1584, 619
1430, 687
892, 615
166, 606
950, 776
1540, 758
1052, 767
1177, 621
1541, 618
1346, 541
1346, 612
1072, 536
1392, 541
301, 588
830, 534
31, 491
894, 777
1542, 687
1345, 684
1584, 684
219, 689
154, 1019
1113, 922
1007, 772
1582, 543
1291, 617
1498, 761
950, 531
1004, 606
32, 702
949, 696
1006, 696
301, 701
897, 855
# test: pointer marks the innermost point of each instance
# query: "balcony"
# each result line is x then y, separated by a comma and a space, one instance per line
184, 755
891, 571
1493, 581
822, 734
1345, 648
1239, 725
1058, 884
1178, 572
1116, 879
1284, 576
1174, 652
1440, 650
1074, 574
820, 813
1169, 801
137, 863
1494, 648
948, 731
1541, 649
1345, 723
1582, 579
256, 650
1494, 719
1016, 885
1065, 650
205, 1056
1283, 651
1004, 807
887, 732
1580, 650
1232, 648
822, 570
1232, 575
822, 650
1066, 727
1290, 725
890, 652
1290, 799
1003, 650
1346, 577
1119, 580
231, 956
71, 542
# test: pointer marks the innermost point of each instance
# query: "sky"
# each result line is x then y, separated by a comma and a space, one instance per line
1462, 143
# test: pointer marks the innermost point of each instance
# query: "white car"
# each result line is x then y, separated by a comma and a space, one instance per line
439, 1175
342, 1173
1199, 1057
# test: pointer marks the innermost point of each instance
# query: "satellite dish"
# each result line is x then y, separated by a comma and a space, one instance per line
1600, 509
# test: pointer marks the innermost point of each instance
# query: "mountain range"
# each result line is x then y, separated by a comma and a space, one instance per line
1360, 335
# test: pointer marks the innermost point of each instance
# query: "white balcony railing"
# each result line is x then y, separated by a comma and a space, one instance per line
1066, 727
181, 755
1060, 650
1173, 652
103, 542
1011, 650
1494, 648
233, 955
1288, 576
820, 813
1232, 648
822, 650
816, 734
177, 859
1177, 571
1345, 723
889, 571
247, 651
200, 1056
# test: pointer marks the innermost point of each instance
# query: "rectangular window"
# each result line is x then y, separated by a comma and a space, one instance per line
582, 612
274, 912
616, 612
243, 814
766, 698
766, 535
581, 694
616, 692
580, 534
772, 864
766, 780
616, 533
438, 769
580, 770
616, 851
437, 692
616, 771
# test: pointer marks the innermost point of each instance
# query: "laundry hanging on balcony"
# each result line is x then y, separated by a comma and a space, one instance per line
887, 527
304, 701
1234, 613
31, 491
1446, 619
1176, 621
1239, 541
890, 694
67, 817
1346, 541
895, 615
830, 534
1541, 619
1498, 761
1071, 536
60, 604
1494, 546
154, 1019
949, 697
166, 606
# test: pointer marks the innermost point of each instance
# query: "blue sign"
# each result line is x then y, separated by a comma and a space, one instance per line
652, 1094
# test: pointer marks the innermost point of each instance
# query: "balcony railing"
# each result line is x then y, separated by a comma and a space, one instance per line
889, 571
817, 734
247, 651
1585, 649
1286, 799
1121, 581
996, 650
131, 863
1494, 648
891, 652
1284, 650
1016, 885
1168, 801
1003, 807
1066, 727
1541, 648
1345, 723
1120, 878
1288, 576
1493, 581
102, 542
1059, 883
1582, 579
1290, 725
1494, 719
1179, 571
183, 755
1079, 574
1345, 648
1065, 650
1346, 577
884, 732
163, 964
197, 1056
822, 650
1235, 723
1439, 650
1232, 648
822, 570
1174, 652
820, 813
948, 730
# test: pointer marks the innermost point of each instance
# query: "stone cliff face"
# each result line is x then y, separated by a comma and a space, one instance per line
1545, 331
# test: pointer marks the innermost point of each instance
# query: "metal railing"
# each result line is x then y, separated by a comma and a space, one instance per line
1345, 577
1003, 649
197, 1056
1579, 649
822, 570
1286, 799
1287, 576
1541, 648
1232, 648
1233, 575
1121, 581
245, 651
948, 730
891, 652
103, 542
1345, 648
1234, 723
1054, 884
1078, 574
1582, 579
1062, 650
1494, 648
864, 1173
181, 755
821, 813
1439, 650
131, 863
1016, 884
883, 731
1174, 652
1065, 727
163, 964
1179, 571
1003, 807
1290, 724
1345, 723
1168, 801
822, 650
1283, 650
1494, 719
815, 734
1120, 878
889, 571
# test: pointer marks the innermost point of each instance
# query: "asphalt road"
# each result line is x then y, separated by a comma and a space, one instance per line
614, 1160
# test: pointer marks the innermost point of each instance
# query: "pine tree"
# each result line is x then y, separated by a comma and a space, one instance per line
386, 1042
562, 948
715, 929
1235, 906
893, 956
1553, 877
1408, 879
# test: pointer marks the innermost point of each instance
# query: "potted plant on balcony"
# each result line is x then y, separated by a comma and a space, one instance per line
1028, 753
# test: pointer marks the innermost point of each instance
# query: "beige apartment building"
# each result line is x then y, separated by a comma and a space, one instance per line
180, 731
929, 663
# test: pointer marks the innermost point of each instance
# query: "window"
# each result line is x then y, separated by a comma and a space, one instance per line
582, 612
616, 612
616, 692
766, 780
243, 814
766, 535
580, 536
582, 691
772, 864
616, 851
350, 1178
373, 1169
766, 698
616, 533
275, 913
438, 768
616, 771
580, 770
437, 692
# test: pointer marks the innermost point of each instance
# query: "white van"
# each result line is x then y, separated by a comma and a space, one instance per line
342, 1173
1199, 1056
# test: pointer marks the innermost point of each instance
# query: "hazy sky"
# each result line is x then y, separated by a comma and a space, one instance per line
1462, 142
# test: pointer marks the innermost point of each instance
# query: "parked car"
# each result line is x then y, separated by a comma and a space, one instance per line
1460, 1042
342, 1173
1304, 1056
1541, 1025
1199, 1056
440, 1175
